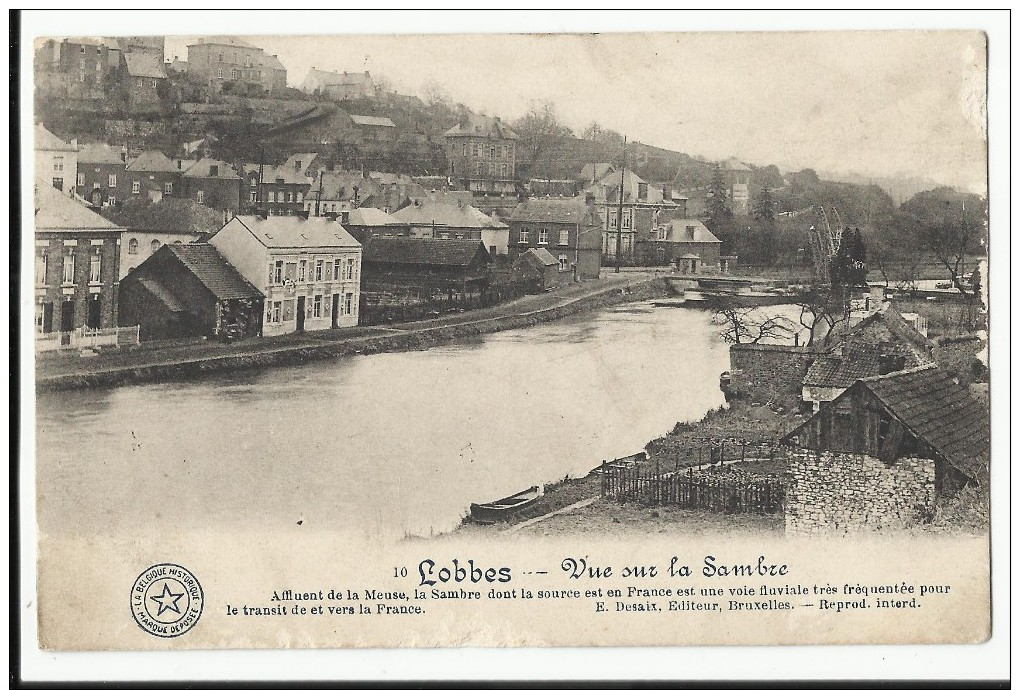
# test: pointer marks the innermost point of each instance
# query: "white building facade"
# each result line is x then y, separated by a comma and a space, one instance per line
309, 270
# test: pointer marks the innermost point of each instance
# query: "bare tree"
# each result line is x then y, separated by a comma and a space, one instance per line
750, 325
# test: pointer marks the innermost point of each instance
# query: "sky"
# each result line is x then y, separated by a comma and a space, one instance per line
895, 103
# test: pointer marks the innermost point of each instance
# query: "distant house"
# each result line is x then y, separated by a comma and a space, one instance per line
340, 86
540, 271
593, 172
638, 213
100, 168
78, 68
482, 152
149, 226
424, 266
737, 176
212, 183
143, 77
56, 160
216, 60
309, 270
151, 174
454, 221
918, 412
685, 242
567, 227
880, 344
375, 131
188, 290
366, 222
76, 264
284, 188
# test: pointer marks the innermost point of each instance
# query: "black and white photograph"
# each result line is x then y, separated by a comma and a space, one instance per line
482, 338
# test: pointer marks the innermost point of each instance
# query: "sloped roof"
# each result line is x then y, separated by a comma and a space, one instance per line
214, 271
734, 164
152, 161
481, 126
287, 173
99, 153
272, 62
233, 41
416, 251
568, 210
203, 168
333, 78
938, 411
595, 171
45, 140
295, 231
446, 215
372, 121
171, 215
306, 159
608, 186
55, 211
164, 295
896, 324
688, 230
144, 65
834, 371
541, 255
368, 216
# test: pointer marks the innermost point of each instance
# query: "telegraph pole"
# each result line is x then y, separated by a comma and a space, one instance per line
318, 194
619, 209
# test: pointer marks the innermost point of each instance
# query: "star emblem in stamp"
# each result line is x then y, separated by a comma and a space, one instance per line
166, 600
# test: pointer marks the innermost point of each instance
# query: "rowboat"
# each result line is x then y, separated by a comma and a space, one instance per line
622, 463
504, 508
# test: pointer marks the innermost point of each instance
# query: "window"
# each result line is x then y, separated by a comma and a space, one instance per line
274, 312
253, 197
290, 197
337, 269
349, 303
233, 74
564, 237
68, 273
479, 167
317, 306
219, 73
214, 171
136, 187
96, 268
200, 196
318, 269
302, 271
297, 197
58, 164
40, 317
168, 188
42, 263
276, 275
543, 236
464, 150
253, 182
113, 200
350, 269
153, 83
523, 236
492, 152
81, 180
504, 169
564, 263
58, 183
626, 220
112, 181
154, 245
289, 271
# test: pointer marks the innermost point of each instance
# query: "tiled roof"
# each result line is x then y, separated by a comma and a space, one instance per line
144, 65
840, 371
418, 251
481, 126
688, 230
595, 171
368, 216
295, 231
203, 168
99, 153
445, 215
152, 161
272, 62
938, 411
164, 295
541, 255
607, 189
45, 140
209, 266
372, 121
566, 210
332, 78
305, 159
55, 211
172, 216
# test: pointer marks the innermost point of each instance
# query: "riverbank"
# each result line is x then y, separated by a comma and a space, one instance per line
174, 363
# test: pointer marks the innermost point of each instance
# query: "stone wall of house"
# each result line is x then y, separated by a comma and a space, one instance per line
843, 493
769, 372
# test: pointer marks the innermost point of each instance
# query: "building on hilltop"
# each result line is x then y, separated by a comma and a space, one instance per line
482, 153
143, 77
308, 270
216, 60
340, 86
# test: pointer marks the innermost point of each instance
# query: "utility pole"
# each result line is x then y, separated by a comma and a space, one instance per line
619, 209
258, 194
318, 195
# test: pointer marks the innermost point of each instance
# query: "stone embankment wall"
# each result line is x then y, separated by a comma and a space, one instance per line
769, 372
842, 493
126, 128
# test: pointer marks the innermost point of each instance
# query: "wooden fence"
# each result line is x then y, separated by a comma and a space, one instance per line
703, 491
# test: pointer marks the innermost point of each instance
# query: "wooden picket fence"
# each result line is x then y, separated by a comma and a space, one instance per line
702, 491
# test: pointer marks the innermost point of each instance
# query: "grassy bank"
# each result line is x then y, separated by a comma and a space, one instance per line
417, 337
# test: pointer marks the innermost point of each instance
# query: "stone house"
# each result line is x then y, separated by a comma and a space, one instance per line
56, 160
143, 78
100, 168
482, 154
567, 227
216, 60
77, 68
152, 175
918, 412
308, 269
283, 189
737, 177
685, 242
540, 271
340, 86
375, 133
454, 221
641, 207
189, 290
212, 183
77, 256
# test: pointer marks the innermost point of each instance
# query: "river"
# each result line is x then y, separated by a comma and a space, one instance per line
383, 446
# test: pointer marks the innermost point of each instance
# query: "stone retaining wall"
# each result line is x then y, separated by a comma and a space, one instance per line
844, 493
764, 372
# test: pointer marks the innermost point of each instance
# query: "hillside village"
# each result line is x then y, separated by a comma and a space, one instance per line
205, 199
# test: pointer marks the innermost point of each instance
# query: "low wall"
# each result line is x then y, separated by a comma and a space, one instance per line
420, 339
843, 493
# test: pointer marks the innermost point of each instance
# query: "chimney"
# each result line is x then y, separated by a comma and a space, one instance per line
888, 363
667, 192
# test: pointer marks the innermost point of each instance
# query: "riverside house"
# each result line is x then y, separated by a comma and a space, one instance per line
454, 221
308, 269
642, 204
567, 227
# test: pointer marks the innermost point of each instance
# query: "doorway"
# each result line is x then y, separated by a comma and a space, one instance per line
93, 316
300, 314
336, 309
66, 321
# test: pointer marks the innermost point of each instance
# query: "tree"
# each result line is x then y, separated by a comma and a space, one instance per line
849, 267
764, 207
541, 133
752, 325
717, 210
950, 225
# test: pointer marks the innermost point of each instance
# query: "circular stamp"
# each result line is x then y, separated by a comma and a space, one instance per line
166, 600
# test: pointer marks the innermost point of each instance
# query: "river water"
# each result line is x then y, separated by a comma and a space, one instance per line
383, 446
